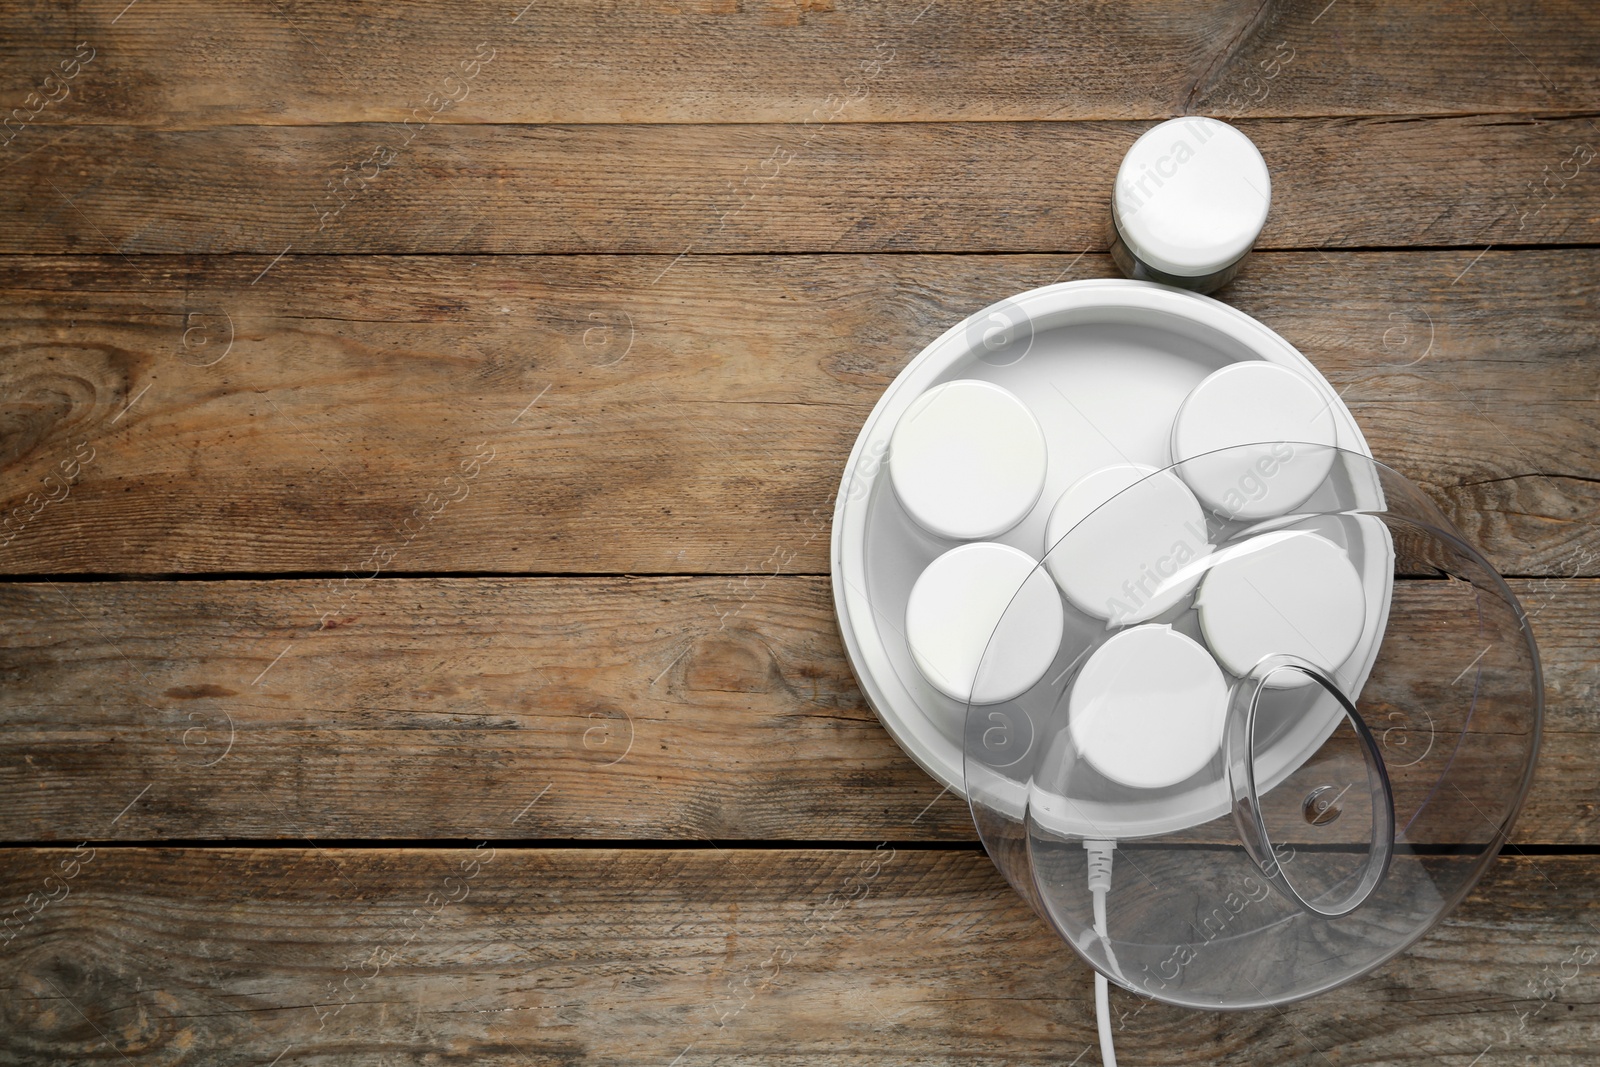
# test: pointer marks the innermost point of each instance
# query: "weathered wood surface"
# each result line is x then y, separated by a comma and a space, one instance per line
688, 420
693, 957
592, 416
602, 709
202, 61
841, 187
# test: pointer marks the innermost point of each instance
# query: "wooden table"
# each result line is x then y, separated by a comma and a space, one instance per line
420, 427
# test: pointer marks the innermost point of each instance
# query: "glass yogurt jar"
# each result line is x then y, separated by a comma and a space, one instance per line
1190, 199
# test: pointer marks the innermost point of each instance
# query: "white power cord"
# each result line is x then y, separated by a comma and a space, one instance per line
1099, 885
1102, 1015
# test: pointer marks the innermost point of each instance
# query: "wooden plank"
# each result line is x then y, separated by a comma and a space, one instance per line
237, 956
779, 61
603, 709
688, 415
994, 187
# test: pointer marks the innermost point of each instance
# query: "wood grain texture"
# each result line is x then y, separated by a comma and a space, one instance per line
928, 187
203, 62
666, 709
237, 956
688, 415
221, 355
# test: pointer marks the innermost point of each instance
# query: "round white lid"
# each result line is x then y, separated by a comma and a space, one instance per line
967, 460
1134, 560
1290, 592
1149, 707
1254, 403
1191, 196
987, 606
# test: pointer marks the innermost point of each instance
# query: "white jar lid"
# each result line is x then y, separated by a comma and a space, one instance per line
1191, 196
1266, 406
1290, 592
1149, 707
984, 606
1133, 560
967, 460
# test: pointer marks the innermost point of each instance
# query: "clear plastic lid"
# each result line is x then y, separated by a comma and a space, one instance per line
1285, 732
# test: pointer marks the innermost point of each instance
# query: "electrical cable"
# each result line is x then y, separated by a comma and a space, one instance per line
1099, 885
1102, 1015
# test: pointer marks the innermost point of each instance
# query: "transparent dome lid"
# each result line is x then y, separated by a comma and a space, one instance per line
1290, 721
